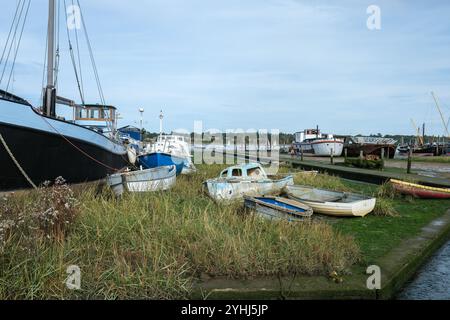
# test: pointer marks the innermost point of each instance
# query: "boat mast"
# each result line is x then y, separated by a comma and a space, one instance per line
441, 114
161, 117
49, 103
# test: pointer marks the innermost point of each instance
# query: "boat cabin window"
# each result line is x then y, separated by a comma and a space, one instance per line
236, 173
254, 172
224, 174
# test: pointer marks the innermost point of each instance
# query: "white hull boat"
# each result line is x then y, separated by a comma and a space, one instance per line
246, 180
155, 179
332, 203
326, 147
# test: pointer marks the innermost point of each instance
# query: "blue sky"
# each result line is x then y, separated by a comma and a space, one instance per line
272, 64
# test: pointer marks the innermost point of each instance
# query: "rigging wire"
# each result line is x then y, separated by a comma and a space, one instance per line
72, 56
10, 31
10, 46
94, 66
78, 52
109, 124
18, 44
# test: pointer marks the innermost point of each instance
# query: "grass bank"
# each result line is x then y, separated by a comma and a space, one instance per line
154, 245
158, 245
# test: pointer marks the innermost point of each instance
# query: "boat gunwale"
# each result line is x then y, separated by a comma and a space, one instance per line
359, 197
411, 185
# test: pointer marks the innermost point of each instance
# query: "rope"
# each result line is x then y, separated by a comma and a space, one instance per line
80, 150
17, 163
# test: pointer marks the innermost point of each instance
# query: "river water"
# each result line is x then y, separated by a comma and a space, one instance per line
432, 282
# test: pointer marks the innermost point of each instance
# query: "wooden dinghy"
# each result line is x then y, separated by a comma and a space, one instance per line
420, 191
333, 203
245, 180
276, 208
155, 179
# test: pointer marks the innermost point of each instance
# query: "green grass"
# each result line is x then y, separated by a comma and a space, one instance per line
377, 236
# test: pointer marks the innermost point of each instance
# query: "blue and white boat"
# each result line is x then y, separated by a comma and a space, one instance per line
168, 150
249, 179
160, 159
276, 208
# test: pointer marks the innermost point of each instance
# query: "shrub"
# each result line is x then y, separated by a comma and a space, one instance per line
364, 163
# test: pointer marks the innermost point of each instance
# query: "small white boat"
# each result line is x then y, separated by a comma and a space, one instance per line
155, 179
244, 180
332, 203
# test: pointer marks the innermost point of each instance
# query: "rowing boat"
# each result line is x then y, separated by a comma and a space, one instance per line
276, 208
420, 191
155, 179
332, 203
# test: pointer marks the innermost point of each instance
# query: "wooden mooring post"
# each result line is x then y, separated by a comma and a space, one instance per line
345, 153
301, 152
408, 168
332, 156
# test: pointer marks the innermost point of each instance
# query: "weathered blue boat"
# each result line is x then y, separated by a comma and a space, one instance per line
244, 180
161, 159
276, 208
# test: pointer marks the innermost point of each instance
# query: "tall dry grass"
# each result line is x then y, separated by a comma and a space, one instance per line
157, 245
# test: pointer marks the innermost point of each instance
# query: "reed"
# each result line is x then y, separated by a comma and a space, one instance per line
158, 245
321, 181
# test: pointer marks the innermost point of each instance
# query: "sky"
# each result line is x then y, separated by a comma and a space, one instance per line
260, 64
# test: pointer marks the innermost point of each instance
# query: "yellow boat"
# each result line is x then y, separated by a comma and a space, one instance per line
420, 191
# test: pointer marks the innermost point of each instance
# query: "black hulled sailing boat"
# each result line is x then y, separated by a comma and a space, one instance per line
39, 145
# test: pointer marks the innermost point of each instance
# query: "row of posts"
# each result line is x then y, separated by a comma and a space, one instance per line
361, 155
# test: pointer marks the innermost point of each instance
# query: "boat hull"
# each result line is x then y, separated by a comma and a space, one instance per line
38, 145
420, 191
354, 150
149, 180
321, 202
160, 159
327, 147
234, 190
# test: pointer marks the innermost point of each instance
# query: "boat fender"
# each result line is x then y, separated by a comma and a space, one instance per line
132, 155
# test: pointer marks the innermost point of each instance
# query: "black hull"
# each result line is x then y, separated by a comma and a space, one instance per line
354, 150
431, 150
45, 156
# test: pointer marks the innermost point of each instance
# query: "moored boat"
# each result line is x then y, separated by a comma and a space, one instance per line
327, 147
370, 146
244, 180
39, 145
168, 150
159, 159
420, 191
332, 203
312, 141
156, 179
277, 208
